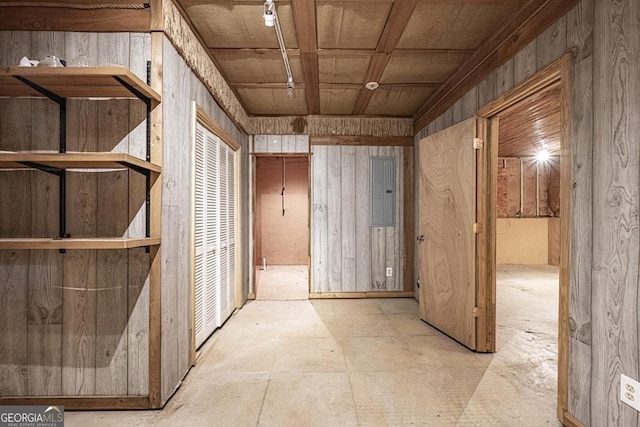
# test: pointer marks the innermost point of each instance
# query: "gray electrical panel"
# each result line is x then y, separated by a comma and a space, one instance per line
382, 200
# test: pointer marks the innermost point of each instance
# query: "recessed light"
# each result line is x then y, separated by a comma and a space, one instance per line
372, 85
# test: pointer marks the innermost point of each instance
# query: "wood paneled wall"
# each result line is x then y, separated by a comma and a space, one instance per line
74, 323
281, 144
604, 40
347, 255
181, 88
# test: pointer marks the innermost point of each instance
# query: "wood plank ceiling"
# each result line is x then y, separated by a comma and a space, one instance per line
425, 54
410, 47
532, 125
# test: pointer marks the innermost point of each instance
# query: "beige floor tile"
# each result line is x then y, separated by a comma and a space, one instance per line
220, 399
111, 418
408, 324
347, 306
398, 306
434, 398
370, 363
283, 282
358, 325
317, 399
377, 354
439, 350
311, 354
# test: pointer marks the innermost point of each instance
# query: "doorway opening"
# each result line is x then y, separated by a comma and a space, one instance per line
525, 249
281, 227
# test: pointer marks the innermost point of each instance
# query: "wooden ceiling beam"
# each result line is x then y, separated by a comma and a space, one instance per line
247, 52
399, 16
351, 86
376, 68
527, 24
265, 85
304, 18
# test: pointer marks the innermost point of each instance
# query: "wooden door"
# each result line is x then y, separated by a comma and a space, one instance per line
447, 184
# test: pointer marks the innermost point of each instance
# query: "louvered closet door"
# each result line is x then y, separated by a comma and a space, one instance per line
199, 233
214, 234
206, 312
227, 232
231, 224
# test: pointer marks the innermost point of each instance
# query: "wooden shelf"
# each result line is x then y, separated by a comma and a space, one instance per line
81, 243
30, 160
75, 82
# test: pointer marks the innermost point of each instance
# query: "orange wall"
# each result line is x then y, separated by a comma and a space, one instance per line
283, 240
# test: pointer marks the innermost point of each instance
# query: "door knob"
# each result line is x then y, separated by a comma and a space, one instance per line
420, 238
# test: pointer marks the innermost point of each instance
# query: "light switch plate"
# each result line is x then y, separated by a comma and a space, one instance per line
630, 392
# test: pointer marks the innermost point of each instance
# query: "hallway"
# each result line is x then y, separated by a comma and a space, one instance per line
369, 362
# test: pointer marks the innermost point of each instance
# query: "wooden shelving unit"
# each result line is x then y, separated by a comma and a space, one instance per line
63, 161
75, 82
58, 84
80, 243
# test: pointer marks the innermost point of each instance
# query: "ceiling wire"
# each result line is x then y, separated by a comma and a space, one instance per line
283, 49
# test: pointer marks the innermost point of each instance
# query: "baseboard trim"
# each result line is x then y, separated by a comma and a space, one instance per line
352, 295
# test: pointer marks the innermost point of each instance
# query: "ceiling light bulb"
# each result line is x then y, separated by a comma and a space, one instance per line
269, 18
269, 14
543, 156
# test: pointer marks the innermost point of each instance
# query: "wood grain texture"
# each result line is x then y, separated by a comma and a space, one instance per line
14, 272
69, 19
79, 332
524, 63
408, 187
361, 211
348, 220
81, 403
334, 223
524, 26
551, 44
319, 219
65, 318
45, 282
580, 43
487, 89
175, 199
112, 314
347, 238
138, 323
616, 173
554, 241
447, 291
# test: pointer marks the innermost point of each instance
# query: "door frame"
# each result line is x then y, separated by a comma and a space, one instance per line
252, 264
555, 75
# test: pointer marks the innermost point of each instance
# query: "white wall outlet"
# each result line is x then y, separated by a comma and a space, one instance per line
630, 392
389, 271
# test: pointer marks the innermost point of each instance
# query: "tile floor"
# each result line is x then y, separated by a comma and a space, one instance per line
369, 362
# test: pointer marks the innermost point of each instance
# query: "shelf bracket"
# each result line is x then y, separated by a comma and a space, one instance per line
43, 168
62, 174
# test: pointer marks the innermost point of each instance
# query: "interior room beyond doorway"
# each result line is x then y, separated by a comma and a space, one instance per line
282, 227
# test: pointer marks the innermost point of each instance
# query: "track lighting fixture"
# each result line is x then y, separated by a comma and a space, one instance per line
269, 14
291, 87
271, 20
